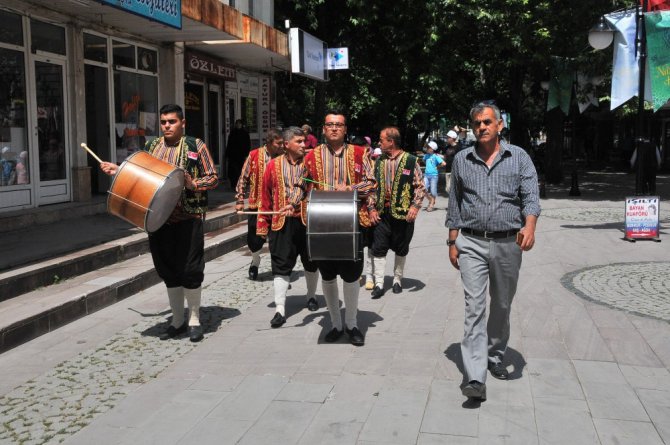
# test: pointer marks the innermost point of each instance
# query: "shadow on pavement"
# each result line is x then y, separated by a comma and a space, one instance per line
211, 318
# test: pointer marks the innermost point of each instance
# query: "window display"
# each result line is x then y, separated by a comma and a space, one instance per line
14, 168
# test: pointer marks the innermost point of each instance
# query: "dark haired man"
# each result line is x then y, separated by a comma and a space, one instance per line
283, 193
337, 165
493, 210
177, 248
252, 177
400, 193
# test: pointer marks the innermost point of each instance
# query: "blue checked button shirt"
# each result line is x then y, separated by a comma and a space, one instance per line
493, 199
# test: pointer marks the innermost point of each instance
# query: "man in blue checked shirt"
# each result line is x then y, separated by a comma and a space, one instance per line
494, 204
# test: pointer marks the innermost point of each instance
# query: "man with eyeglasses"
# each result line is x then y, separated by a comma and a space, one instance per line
252, 177
177, 247
337, 165
494, 205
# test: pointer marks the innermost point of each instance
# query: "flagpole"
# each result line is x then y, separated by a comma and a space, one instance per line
641, 142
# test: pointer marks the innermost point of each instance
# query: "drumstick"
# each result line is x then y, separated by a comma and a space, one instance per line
85, 147
317, 182
246, 212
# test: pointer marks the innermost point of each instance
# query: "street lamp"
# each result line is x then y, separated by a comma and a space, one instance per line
600, 37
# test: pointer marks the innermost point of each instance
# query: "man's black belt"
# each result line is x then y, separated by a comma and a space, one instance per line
490, 235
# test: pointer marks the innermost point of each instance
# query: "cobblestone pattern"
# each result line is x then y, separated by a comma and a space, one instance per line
640, 288
57, 404
595, 214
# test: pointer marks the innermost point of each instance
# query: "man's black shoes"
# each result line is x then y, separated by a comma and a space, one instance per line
475, 390
498, 371
172, 332
277, 320
355, 337
312, 304
377, 292
253, 272
397, 288
333, 335
195, 333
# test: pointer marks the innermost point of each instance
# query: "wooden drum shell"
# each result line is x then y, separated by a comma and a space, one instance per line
145, 191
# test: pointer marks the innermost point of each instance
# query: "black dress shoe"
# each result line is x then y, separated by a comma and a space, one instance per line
172, 332
498, 371
312, 304
253, 272
277, 320
377, 292
355, 337
333, 335
195, 333
397, 288
475, 390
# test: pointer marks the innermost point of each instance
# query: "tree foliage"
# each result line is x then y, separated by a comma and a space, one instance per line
413, 62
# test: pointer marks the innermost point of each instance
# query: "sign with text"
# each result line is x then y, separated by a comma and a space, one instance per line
167, 12
265, 105
308, 55
642, 217
338, 58
198, 63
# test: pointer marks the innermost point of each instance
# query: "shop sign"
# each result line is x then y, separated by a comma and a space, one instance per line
248, 83
265, 104
167, 12
642, 217
208, 66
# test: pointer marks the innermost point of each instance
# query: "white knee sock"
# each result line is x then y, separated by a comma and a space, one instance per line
311, 279
256, 258
281, 283
380, 267
193, 299
369, 265
176, 297
398, 268
350, 291
333, 302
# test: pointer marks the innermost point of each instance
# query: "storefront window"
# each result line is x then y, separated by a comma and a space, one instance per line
124, 54
95, 48
14, 164
47, 37
50, 120
147, 59
250, 113
11, 30
194, 104
136, 111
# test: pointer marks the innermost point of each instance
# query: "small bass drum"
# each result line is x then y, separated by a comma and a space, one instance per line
332, 226
145, 191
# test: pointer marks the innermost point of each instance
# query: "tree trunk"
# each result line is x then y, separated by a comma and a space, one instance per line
553, 168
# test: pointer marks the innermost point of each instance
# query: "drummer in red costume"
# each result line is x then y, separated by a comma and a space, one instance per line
283, 192
341, 166
252, 177
177, 248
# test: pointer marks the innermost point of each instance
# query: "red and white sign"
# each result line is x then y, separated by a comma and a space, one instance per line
642, 217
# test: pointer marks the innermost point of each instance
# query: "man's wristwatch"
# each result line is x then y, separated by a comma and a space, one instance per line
451, 242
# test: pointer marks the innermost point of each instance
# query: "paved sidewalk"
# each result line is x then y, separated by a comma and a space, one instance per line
585, 367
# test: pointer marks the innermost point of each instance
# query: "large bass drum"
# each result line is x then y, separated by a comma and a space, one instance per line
145, 191
332, 226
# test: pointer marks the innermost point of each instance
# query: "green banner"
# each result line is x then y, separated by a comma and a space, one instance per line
560, 85
658, 50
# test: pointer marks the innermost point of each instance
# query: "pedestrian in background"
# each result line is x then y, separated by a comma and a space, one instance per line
493, 210
310, 140
432, 161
